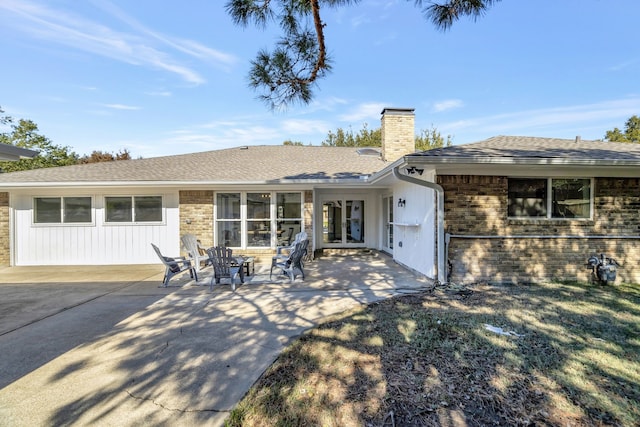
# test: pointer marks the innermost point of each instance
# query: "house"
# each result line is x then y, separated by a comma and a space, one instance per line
506, 209
522, 209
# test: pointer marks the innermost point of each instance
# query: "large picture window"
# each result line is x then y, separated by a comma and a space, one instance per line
133, 209
569, 198
57, 210
257, 219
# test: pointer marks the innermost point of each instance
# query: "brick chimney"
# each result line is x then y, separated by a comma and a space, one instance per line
398, 133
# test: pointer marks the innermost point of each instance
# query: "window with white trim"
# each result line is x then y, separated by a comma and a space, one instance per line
133, 209
257, 219
228, 223
289, 213
59, 210
552, 198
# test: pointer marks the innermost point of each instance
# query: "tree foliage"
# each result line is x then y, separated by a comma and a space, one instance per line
364, 138
25, 134
98, 156
287, 74
631, 131
427, 139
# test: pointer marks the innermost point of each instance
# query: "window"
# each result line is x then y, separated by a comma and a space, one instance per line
133, 209
289, 212
528, 197
228, 219
568, 198
257, 219
57, 210
571, 198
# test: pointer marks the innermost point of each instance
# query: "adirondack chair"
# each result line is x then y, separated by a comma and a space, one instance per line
175, 265
197, 253
293, 264
285, 250
225, 265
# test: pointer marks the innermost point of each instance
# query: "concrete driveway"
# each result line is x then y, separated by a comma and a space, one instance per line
107, 346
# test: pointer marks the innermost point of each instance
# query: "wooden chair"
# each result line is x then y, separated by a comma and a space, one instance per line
225, 265
175, 265
293, 264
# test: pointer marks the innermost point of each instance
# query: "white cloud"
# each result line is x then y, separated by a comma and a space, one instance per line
448, 104
367, 112
359, 20
569, 120
142, 46
622, 65
121, 107
305, 127
159, 93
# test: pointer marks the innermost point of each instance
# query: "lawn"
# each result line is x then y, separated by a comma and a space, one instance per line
550, 354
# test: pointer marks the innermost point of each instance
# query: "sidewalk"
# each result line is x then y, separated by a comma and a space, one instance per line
126, 352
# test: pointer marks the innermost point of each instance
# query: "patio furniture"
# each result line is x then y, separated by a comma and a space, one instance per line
293, 264
175, 265
225, 265
249, 265
283, 251
196, 252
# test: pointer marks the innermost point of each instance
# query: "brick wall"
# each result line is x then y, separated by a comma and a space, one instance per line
397, 133
5, 231
196, 215
477, 205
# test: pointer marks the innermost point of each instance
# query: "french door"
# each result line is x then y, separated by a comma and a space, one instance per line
343, 222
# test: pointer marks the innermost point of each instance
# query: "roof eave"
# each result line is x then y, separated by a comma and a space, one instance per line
427, 160
178, 184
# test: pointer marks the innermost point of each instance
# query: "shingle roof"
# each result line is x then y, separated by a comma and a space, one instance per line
11, 152
233, 165
523, 147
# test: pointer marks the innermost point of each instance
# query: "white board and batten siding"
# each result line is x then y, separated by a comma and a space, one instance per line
97, 243
414, 228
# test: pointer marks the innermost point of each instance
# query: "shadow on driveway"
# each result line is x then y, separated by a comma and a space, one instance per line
130, 353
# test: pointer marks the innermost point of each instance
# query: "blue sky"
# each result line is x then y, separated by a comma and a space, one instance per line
161, 77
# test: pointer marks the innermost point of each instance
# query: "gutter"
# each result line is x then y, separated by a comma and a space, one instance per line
440, 241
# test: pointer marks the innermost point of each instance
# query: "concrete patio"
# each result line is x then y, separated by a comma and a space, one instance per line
107, 346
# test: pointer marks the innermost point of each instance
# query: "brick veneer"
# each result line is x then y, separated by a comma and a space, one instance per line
196, 215
477, 205
5, 247
397, 132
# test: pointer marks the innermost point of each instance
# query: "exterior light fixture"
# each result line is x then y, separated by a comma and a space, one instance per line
402, 203
413, 170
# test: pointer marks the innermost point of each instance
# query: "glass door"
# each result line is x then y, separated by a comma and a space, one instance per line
343, 223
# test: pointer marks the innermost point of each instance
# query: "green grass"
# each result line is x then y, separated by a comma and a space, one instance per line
428, 359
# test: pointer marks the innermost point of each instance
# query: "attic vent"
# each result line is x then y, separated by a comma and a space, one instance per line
368, 152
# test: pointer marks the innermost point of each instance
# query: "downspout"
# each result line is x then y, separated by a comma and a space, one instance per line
440, 255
